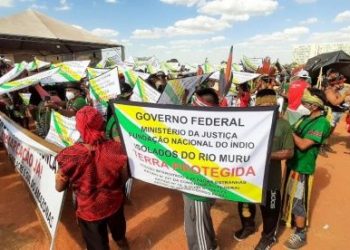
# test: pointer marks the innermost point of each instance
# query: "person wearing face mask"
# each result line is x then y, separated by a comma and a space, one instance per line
74, 101
309, 132
295, 108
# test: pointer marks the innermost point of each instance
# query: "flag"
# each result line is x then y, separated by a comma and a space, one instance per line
228, 72
222, 83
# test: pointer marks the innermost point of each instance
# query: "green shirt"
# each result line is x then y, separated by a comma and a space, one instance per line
315, 129
77, 103
282, 140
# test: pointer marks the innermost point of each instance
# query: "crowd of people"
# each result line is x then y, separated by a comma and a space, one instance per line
96, 166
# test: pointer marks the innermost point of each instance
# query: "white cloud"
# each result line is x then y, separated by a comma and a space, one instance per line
157, 47
341, 35
278, 44
226, 12
38, 6
190, 26
185, 44
64, 5
305, 1
6, 3
287, 35
239, 10
106, 33
309, 21
188, 3
111, 1
343, 17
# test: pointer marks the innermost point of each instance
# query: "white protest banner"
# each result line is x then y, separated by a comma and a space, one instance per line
251, 64
110, 57
92, 72
173, 93
211, 152
62, 130
37, 166
25, 82
14, 72
238, 77
103, 88
241, 77
72, 71
175, 89
153, 65
143, 92
190, 83
131, 76
37, 64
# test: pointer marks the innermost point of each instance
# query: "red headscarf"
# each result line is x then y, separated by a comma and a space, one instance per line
90, 124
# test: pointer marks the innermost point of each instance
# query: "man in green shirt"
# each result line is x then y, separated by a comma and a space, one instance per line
309, 133
282, 149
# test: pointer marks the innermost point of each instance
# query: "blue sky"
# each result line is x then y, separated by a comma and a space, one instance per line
192, 30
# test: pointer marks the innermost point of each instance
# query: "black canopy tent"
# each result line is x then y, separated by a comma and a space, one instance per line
338, 60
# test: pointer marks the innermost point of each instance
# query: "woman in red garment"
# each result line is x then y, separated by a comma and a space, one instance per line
94, 169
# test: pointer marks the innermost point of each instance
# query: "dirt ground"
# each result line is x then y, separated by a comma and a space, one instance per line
155, 215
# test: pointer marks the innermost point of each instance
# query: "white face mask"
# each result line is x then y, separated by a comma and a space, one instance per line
304, 110
69, 95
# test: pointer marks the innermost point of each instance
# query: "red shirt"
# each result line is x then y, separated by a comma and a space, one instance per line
295, 93
95, 178
244, 100
224, 102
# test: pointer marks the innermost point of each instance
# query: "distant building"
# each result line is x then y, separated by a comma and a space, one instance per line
301, 53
